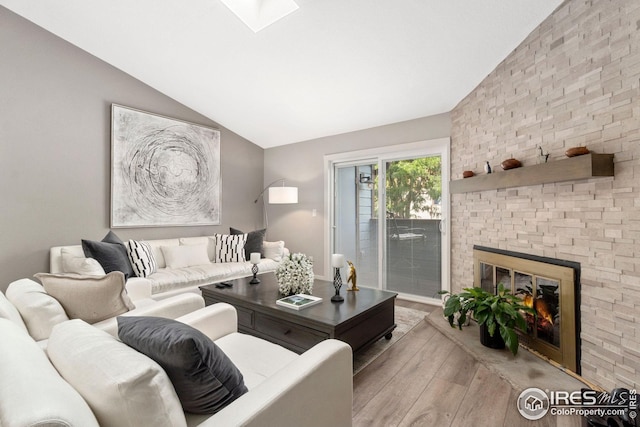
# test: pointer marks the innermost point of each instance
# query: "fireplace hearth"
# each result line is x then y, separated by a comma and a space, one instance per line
550, 286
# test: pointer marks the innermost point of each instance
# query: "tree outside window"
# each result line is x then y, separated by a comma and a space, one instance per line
414, 188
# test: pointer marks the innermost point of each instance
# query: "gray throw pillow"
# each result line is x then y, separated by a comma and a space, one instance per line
204, 378
111, 253
255, 239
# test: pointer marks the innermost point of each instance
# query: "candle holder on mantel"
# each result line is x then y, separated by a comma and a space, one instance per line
255, 260
337, 261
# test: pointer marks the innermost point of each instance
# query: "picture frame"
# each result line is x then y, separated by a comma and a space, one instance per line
164, 171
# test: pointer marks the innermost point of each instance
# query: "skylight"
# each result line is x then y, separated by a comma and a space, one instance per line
258, 14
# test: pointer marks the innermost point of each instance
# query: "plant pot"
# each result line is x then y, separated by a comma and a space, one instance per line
487, 340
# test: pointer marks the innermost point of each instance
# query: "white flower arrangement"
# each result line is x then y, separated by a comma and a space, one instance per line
295, 274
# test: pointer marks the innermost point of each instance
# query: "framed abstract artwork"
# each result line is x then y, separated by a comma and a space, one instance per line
164, 172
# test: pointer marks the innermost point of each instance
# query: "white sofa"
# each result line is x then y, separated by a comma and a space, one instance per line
29, 305
284, 389
166, 281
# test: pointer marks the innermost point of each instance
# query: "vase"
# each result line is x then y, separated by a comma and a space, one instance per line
487, 340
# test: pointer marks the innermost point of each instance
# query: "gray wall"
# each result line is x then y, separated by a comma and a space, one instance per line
55, 102
302, 165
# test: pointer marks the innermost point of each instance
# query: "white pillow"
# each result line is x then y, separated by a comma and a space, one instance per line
32, 393
157, 245
10, 312
142, 260
230, 248
185, 256
71, 263
40, 311
122, 387
209, 241
273, 250
89, 298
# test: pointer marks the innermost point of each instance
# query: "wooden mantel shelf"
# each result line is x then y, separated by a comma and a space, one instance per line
570, 169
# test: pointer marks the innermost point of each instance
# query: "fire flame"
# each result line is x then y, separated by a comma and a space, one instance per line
541, 308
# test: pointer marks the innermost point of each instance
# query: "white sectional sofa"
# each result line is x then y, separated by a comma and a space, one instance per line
28, 304
189, 274
87, 377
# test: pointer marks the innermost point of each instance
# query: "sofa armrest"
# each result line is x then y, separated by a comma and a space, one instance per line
315, 390
170, 308
215, 321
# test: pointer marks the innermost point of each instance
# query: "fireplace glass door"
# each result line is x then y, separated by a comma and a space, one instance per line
543, 295
548, 289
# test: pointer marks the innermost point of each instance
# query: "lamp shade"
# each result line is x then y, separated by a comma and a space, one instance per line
283, 195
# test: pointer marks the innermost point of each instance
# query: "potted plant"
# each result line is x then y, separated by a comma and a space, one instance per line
501, 312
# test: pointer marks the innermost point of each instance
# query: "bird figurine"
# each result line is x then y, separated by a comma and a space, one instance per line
352, 278
487, 168
542, 157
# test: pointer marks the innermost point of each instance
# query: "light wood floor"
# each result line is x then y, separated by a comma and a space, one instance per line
425, 379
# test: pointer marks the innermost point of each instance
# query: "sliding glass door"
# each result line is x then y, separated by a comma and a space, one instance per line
388, 216
413, 214
355, 230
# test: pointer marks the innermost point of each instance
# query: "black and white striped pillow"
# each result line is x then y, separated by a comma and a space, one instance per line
230, 248
141, 257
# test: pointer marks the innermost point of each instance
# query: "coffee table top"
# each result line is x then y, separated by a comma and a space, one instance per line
266, 293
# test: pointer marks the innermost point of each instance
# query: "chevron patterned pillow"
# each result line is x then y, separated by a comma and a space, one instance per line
141, 257
230, 248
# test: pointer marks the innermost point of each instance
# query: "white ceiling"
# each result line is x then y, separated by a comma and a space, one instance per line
330, 67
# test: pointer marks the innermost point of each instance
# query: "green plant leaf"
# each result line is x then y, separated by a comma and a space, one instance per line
521, 322
462, 319
510, 338
452, 305
491, 325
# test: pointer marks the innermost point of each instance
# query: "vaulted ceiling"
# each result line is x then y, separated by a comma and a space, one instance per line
329, 67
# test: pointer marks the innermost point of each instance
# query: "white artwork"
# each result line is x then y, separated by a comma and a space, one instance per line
164, 172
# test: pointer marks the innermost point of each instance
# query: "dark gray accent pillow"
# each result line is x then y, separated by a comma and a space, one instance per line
204, 378
111, 253
254, 241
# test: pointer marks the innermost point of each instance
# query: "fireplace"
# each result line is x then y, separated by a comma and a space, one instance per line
550, 286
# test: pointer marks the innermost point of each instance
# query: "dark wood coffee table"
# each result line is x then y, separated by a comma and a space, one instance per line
361, 319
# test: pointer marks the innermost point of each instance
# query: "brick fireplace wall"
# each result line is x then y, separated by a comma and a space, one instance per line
574, 81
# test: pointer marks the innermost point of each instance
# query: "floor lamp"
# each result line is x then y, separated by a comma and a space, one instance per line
277, 196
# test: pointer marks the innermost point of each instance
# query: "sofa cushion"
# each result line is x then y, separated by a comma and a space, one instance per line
142, 259
230, 248
90, 298
254, 241
122, 386
256, 358
157, 245
168, 279
274, 250
39, 311
185, 256
203, 376
72, 263
10, 312
111, 253
208, 241
32, 393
